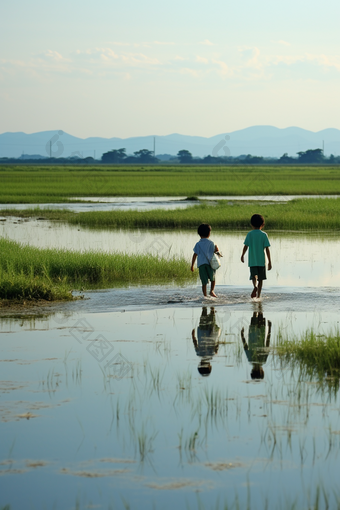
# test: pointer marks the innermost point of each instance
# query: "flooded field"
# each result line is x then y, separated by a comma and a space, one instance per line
109, 403
147, 397
299, 259
83, 204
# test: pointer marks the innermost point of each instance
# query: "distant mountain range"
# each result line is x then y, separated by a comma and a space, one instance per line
267, 141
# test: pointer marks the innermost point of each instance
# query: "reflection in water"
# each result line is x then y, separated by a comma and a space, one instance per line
257, 347
129, 447
206, 343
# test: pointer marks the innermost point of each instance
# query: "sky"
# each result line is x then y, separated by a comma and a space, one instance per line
132, 68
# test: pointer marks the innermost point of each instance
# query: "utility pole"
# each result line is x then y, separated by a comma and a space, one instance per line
94, 154
154, 146
323, 147
50, 149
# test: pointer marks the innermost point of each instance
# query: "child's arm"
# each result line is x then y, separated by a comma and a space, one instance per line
194, 257
245, 345
245, 248
194, 339
269, 259
269, 333
216, 248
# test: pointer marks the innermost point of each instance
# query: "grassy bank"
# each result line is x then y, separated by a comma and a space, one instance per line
20, 184
32, 273
306, 214
314, 355
301, 214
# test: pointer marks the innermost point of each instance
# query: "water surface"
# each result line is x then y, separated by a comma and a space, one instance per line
300, 259
124, 400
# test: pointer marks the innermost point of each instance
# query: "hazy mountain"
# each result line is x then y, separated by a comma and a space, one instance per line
255, 140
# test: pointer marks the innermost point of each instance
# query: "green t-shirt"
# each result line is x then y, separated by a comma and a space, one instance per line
257, 241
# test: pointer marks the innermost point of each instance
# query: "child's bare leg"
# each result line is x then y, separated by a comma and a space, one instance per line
204, 290
212, 293
253, 294
259, 288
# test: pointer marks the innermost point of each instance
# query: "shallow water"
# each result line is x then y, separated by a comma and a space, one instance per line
102, 404
299, 259
143, 397
149, 203
112, 204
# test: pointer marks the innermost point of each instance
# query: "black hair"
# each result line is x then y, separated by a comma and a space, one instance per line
257, 220
204, 370
257, 372
204, 230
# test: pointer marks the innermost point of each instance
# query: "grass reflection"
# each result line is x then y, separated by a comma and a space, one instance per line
315, 356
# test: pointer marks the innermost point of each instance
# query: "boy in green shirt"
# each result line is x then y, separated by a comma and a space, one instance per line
257, 242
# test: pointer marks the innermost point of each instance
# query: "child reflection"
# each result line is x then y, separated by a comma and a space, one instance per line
258, 343
206, 343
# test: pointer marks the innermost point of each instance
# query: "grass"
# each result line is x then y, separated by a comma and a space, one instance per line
307, 214
299, 214
50, 274
33, 184
314, 355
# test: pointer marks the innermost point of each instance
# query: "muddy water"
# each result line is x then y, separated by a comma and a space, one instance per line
299, 259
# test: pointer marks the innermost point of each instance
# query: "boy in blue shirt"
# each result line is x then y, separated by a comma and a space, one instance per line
257, 242
203, 252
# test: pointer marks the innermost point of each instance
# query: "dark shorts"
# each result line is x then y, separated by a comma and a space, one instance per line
206, 273
259, 271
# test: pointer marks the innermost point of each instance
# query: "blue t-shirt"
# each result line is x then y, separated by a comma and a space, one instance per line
257, 241
204, 250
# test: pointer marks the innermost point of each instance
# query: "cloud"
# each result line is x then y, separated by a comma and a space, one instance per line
107, 56
54, 55
252, 56
245, 63
306, 66
202, 60
162, 43
206, 42
145, 44
138, 59
191, 72
223, 68
282, 42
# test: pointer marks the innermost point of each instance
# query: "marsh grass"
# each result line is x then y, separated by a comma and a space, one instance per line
298, 214
314, 355
32, 273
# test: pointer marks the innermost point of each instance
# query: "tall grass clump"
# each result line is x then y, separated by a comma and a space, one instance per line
33, 273
315, 355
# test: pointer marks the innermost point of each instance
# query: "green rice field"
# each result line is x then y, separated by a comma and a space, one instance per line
32, 184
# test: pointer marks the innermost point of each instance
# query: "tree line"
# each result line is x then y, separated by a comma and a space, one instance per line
145, 156
185, 157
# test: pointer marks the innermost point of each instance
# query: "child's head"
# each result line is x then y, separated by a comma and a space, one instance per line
204, 230
257, 220
257, 372
204, 368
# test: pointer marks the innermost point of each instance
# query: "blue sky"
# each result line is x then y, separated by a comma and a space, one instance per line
133, 68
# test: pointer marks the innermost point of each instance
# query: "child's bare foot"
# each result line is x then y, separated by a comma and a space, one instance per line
212, 293
253, 294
